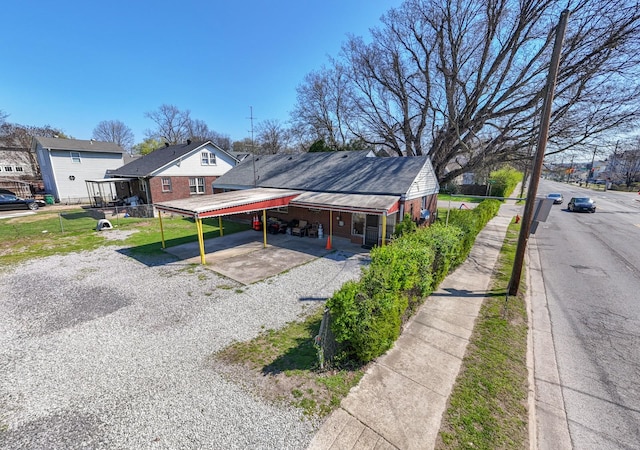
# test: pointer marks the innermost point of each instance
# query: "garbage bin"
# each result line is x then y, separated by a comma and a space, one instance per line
48, 199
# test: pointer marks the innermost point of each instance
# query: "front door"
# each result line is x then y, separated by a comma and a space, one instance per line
371, 231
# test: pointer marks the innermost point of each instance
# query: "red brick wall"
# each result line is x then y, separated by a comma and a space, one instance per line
179, 188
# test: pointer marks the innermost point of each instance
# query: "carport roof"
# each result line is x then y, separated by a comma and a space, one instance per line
256, 199
226, 203
372, 204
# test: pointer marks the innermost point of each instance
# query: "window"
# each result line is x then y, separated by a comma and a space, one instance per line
166, 185
19, 169
196, 185
75, 157
8, 168
358, 221
208, 159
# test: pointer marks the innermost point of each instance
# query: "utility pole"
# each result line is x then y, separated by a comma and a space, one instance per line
253, 149
591, 169
527, 217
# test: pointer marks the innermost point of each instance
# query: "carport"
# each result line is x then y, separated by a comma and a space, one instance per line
224, 204
380, 205
262, 199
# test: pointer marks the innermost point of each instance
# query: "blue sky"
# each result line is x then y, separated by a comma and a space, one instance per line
72, 64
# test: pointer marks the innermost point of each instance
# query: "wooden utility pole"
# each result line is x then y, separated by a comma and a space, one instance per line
527, 217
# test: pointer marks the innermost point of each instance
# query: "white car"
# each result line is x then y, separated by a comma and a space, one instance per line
557, 198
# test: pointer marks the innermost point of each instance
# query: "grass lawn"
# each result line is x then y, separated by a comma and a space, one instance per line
458, 198
51, 232
488, 406
282, 365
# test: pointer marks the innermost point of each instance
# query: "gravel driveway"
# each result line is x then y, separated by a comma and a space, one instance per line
98, 350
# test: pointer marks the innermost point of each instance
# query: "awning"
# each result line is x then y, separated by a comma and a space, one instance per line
368, 204
108, 180
226, 203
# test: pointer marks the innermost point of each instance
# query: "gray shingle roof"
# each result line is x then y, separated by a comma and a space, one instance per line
149, 163
339, 172
79, 145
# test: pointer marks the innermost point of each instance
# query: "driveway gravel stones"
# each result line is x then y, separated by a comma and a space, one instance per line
100, 350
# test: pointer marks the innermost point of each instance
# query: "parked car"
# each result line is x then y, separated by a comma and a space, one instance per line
582, 204
557, 198
8, 201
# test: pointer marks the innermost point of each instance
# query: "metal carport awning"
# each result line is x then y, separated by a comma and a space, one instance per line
382, 205
261, 199
226, 203
367, 204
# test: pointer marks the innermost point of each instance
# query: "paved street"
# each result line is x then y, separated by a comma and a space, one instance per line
590, 264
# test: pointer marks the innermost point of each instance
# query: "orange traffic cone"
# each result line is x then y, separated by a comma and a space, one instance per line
328, 247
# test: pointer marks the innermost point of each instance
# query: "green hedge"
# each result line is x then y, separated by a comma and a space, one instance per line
367, 315
504, 181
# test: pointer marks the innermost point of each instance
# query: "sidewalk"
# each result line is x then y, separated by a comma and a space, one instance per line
400, 400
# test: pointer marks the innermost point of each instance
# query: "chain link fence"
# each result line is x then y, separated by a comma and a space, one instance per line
325, 341
70, 221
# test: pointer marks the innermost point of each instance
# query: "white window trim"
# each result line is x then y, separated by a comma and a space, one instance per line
166, 187
198, 183
75, 157
208, 159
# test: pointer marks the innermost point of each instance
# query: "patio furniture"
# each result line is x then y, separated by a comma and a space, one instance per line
301, 229
313, 231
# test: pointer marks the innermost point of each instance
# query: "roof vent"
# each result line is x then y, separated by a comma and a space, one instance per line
345, 156
188, 141
289, 158
166, 144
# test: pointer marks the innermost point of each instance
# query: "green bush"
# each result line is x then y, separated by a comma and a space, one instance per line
406, 226
367, 315
504, 181
446, 241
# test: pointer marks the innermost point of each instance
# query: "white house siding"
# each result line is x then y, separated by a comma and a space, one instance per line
46, 171
191, 165
92, 166
424, 184
15, 164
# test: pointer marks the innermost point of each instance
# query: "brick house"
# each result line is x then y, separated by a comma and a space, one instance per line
353, 195
174, 172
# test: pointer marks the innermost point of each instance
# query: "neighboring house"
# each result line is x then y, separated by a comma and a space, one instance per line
174, 172
18, 168
65, 164
351, 194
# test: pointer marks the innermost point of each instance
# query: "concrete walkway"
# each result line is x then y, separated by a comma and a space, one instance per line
400, 401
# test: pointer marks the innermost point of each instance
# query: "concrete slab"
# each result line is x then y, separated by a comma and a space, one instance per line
244, 258
403, 412
331, 428
350, 434
423, 363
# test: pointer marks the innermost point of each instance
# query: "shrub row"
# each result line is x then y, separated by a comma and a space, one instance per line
504, 181
367, 315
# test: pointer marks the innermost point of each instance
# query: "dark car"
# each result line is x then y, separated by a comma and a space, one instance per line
8, 201
557, 198
582, 204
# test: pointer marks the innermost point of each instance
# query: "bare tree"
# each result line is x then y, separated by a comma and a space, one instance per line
272, 137
323, 107
462, 80
114, 131
200, 131
172, 125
